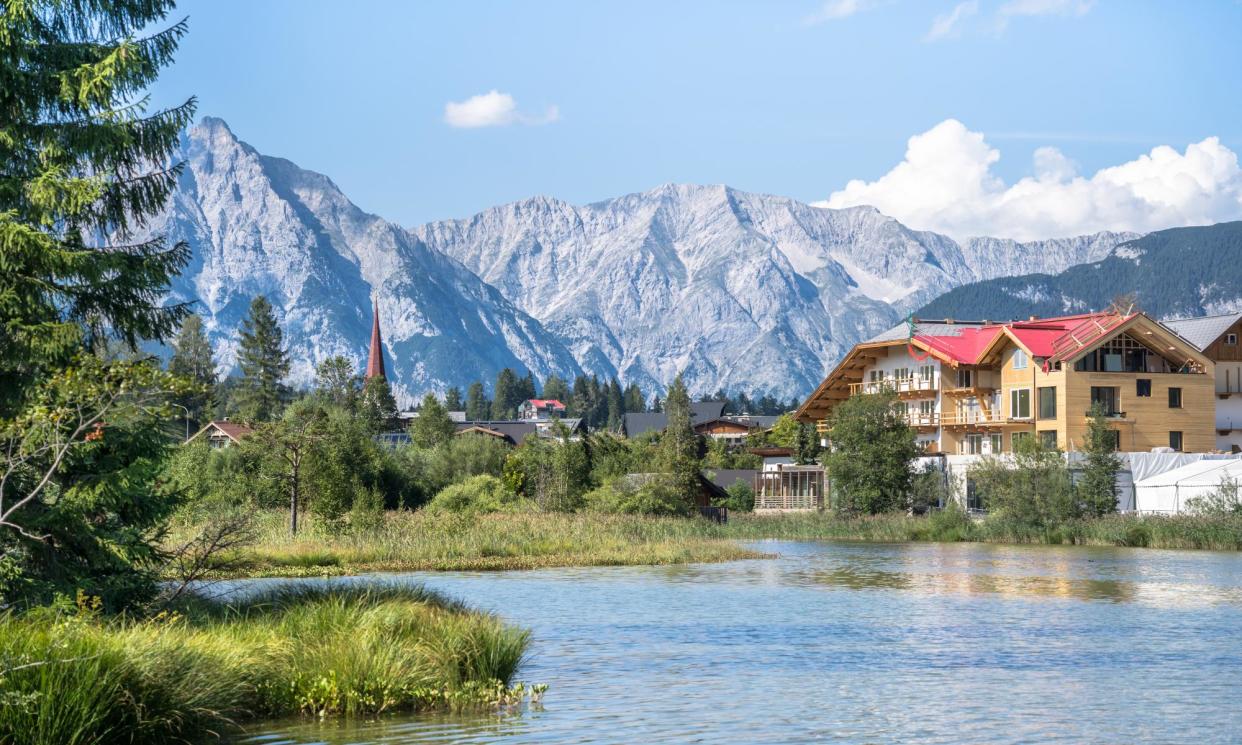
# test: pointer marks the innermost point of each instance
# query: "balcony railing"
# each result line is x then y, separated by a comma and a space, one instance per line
895, 385
971, 417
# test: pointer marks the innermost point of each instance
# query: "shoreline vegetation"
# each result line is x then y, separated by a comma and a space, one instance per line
424, 541
73, 674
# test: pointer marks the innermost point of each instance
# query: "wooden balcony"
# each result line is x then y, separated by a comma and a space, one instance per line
966, 391
980, 418
903, 387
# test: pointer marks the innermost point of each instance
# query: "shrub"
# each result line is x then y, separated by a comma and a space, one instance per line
741, 497
656, 496
476, 495
1032, 489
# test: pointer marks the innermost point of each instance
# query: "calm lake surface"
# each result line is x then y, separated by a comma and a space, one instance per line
866, 643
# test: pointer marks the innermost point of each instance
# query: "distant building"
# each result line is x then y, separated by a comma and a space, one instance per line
222, 433
706, 417
541, 408
1218, 338
514, 431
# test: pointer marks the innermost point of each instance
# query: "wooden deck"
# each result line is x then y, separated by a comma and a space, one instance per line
790, 488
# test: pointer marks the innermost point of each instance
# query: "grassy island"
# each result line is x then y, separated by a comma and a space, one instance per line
73, 675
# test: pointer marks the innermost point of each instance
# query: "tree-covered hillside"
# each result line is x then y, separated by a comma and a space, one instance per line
1178, 272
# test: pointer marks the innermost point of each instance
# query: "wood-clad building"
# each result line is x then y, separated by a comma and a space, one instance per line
1220, 340
978, 387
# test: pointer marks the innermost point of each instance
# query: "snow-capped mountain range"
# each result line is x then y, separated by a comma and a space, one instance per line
740, 291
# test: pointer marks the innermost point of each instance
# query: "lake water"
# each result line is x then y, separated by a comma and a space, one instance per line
860, 643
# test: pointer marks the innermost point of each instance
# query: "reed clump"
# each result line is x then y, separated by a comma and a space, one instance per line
429, 540
71, 676
1209, 532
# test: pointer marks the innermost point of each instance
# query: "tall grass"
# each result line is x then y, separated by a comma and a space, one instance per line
1222, 533
423, 540
75, 678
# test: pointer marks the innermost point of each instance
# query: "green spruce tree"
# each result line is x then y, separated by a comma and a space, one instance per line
679, 445
507, 395
1097, 490
261, 392
555, 388
452, 399
192, 360
635, 402
85, 164
478, 408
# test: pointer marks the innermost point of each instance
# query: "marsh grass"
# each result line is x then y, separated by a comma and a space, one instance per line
1219, 533
70, 677
423, 540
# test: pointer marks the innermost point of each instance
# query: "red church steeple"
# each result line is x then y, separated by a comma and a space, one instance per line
375, 360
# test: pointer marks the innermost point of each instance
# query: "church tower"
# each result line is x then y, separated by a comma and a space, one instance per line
375, 360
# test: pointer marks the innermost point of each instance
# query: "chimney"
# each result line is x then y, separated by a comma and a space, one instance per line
375, 360
1033, 318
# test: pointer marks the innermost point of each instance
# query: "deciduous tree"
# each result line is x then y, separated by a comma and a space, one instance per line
871, 449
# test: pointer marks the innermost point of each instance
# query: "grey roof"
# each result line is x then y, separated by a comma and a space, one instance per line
1201, 332
726, 477
929, 328
700, 411
517, 430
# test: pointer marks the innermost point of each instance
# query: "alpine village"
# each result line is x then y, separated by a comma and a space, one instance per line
534, 505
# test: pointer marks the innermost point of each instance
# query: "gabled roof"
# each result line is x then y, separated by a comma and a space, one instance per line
542, 403
700, 411
232, 430
1202, 332
1061, 339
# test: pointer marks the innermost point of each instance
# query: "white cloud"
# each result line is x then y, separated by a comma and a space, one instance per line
835, 10
1019, 8
946, 183
946, 24
1046, 7
492, 109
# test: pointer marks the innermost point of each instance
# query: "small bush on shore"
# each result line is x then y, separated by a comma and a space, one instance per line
476, 495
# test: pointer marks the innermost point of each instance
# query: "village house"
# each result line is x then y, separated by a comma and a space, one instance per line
976, 388
707, 418
222, 433
541, 408
1217, 337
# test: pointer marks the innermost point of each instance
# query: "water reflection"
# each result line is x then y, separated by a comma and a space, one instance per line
934, 643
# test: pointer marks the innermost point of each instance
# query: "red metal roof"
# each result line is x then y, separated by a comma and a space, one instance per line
541, 403
964, 348
1044, 337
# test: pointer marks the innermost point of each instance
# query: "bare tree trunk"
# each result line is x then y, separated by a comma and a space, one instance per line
293, 501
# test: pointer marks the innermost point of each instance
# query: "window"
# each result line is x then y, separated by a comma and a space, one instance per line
1175, 441
1019, 359
963, 378
973, 445
1048, 439
1108, 397
1048, 402
927, 372
1231, 339
1142, 388
902, 373
1121, 354
1020, 403
997, 443
1175, 398
1018, 437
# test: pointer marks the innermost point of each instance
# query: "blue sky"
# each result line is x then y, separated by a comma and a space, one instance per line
794, 98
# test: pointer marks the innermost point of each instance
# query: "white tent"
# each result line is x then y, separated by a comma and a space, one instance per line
1168, 492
